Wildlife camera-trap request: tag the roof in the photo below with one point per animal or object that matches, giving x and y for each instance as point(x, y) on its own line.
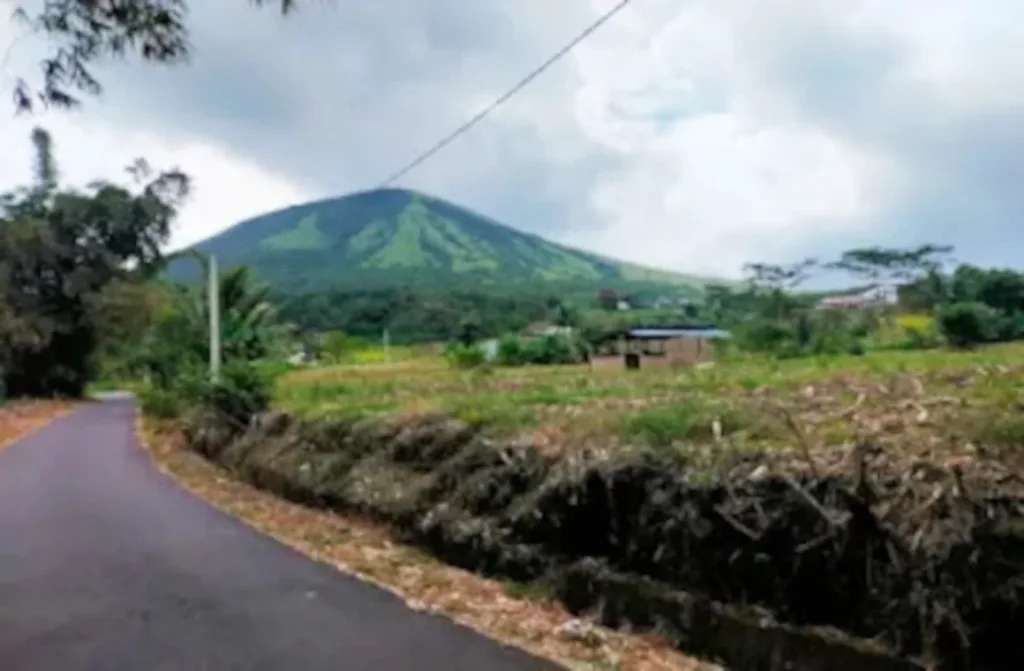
point(666, 333)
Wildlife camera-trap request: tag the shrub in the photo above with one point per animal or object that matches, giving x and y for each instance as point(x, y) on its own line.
point(661, 426)
point(162, 403)
point(965, 325)
point(242, 391)
point(552, 350)
point(465, 356)
point(546, 351)
point(511, 352)
point(770, 336)
point(1008, 326)
point(920, 339)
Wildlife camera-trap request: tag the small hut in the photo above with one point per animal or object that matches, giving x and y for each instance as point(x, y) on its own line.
point(657, 347)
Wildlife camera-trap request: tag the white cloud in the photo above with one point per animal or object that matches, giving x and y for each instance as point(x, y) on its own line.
point(708, 180)
point(694, 135)
point(226, 188)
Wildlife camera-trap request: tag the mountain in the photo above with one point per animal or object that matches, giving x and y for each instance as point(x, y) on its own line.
point(395, 237)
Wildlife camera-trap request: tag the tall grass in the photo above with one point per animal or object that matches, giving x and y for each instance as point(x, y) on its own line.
point(653, 406)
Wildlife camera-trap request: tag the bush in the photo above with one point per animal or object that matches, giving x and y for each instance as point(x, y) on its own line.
point(511, 352)
point(465, 356)
point(770, 336)
point(916, 339)
point(242, 391)
point(1008, 327)
point(549, 350)
point(965, 325)
point(552, 350)
point(162, 403)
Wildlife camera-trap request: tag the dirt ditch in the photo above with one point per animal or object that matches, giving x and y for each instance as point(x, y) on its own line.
point(848, 559)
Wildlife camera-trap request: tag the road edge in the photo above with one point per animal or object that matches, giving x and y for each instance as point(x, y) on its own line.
point(567, 642)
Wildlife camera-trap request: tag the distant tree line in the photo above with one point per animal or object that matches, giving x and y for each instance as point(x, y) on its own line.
point(970, 305)
point(411, 315)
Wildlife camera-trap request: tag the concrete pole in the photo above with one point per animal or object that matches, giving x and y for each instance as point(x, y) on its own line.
point(213, 282)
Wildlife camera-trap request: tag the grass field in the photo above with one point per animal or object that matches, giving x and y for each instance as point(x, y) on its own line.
point(928, 398)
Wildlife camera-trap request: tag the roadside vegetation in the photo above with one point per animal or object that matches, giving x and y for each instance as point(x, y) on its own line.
point(849, 469)
point(573, 404)
point(840, 488)
point(19, 419)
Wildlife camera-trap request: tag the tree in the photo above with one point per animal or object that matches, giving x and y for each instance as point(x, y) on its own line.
point(890, 266)
point(82, 33)
point(561, 314)
point(470, 330)
point(61, 248)
point(967, 324)
point(775, 278)
point(776, 281)
point(608, 299)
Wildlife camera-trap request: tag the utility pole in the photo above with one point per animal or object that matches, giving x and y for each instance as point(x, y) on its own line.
point(213, 283)
point(387, 346)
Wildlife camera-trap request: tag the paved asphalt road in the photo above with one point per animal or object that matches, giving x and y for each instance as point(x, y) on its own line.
point(105, 564)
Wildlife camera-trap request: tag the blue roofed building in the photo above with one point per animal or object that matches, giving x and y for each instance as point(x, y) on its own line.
point(658, 347)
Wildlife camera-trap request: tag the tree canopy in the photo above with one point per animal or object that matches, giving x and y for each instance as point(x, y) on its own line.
point(60, 248)
point(80, 34)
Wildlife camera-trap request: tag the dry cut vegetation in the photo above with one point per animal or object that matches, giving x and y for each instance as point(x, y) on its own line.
point(19, 419)
point(507, 612)
point(846, 513)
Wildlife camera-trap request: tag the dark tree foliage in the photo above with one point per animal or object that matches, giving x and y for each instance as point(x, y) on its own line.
point(890, 265)
point(773, 277)
point(774, 283)
point(412, 315)
point(83, 33)
point(59, 250)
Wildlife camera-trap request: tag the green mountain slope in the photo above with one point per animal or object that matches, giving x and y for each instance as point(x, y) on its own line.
point(392, 237)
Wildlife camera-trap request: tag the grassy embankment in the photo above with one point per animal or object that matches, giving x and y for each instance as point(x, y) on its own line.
point(874, 495)
point(751, 401)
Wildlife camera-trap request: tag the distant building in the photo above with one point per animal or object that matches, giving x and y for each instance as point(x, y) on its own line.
point(490, 349)
point(658, 347)
point(874, 297)
point(542, 329)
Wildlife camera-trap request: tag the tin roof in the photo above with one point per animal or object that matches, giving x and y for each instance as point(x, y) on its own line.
point(665, 333)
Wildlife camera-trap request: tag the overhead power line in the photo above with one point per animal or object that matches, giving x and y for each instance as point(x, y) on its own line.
point(479, 116)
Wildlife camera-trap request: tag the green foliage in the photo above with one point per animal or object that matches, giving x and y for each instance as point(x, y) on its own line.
point(338, 346)
point(470, 330)
point(511, 351)
point(60, 250)
point(890, 265)
point(552, 350)
point(663, 425)
point(80, 34)
point(823, 333)
point(162, 403)
point(390, 238)
point(461, 355)
point(966, 325)
point(411, 315)
point(769, 336)
point(242, 391)
point(543, 351)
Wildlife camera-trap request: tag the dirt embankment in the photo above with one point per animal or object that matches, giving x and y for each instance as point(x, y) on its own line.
point(846, 560)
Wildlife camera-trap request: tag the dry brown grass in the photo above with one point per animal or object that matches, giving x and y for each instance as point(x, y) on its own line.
point(369, 552)
point(21, 418)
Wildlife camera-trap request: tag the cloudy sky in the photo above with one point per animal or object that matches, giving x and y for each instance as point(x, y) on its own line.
point(687, 134)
